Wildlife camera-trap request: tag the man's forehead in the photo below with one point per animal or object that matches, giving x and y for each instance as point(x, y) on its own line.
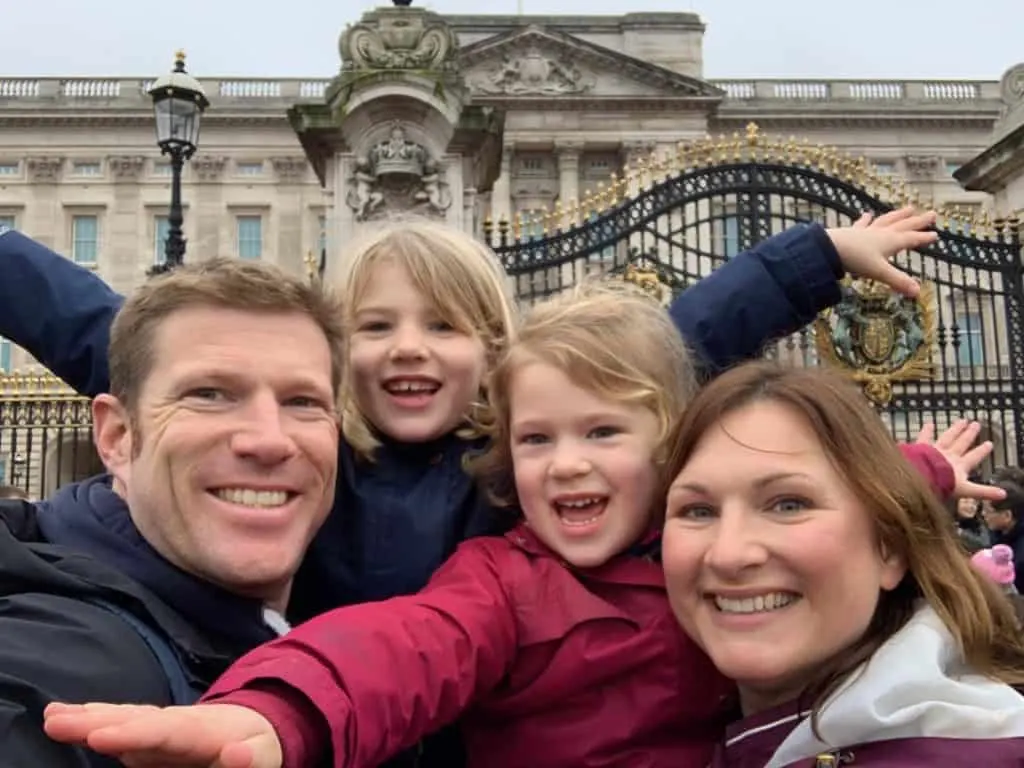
point(241, 342)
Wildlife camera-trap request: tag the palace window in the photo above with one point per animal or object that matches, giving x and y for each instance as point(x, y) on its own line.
point(161, 231)
point(250, 237)
point(86, 168)
point(971, 350)
point(85, 231)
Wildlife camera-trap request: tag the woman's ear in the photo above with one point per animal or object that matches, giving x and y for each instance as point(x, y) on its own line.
point(893, 569)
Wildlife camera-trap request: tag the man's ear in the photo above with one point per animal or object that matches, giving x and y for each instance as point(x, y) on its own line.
point(112, 434)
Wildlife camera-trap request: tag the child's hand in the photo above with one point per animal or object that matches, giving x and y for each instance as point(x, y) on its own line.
point(213, 735)
point(866, 247)
point(957, 447)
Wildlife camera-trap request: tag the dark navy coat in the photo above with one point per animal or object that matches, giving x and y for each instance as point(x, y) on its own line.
point(397, 519)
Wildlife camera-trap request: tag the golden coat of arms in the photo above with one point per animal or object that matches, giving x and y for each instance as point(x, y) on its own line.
point(879, 337)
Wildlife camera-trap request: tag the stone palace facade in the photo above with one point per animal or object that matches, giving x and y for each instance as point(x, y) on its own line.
point(584, 97)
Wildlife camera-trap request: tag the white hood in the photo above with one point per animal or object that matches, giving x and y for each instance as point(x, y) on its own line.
point(915, 686)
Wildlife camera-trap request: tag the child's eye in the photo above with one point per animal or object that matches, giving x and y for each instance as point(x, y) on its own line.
point(534, 438)
point(606, 431)
point(374, 326)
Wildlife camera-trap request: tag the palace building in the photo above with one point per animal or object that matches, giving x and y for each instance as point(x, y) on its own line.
point(584, 99)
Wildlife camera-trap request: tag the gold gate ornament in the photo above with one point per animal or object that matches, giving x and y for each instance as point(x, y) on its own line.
point(878, 337)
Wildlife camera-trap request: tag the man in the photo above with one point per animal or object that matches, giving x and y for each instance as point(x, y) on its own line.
point(220, 439)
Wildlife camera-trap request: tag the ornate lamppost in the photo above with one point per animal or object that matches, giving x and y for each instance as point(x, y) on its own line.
point(178, 104)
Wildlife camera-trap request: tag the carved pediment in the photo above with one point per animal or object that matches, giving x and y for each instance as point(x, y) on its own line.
point(535, 62)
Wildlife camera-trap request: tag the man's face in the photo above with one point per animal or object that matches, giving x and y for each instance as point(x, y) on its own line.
point(996, 519)
point(228, 464)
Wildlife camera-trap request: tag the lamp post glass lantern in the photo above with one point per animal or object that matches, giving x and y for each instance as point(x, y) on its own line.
point(178, 105)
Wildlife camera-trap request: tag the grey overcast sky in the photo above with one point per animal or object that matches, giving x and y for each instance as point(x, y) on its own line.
point(295, 38)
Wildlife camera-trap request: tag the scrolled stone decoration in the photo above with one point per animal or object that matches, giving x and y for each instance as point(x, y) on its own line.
point(43, 169)
point(397, 39)
point(922, 166)
point(127, 166)
point(209, 168)
point(290, 169)
point(1012, 85)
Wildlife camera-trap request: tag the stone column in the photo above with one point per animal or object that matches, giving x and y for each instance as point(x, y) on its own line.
point(568, 177)
point(633, 154)
point(501, 194)
point(121, 236)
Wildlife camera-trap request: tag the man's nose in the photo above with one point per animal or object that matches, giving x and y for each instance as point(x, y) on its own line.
point(262, 434)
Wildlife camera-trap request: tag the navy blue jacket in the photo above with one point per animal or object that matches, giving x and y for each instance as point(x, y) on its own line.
point(395, 520)
point(57, 558)
point(398, 518)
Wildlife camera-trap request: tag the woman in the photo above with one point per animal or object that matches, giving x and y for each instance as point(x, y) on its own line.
point(969, 526)
point(818, 571)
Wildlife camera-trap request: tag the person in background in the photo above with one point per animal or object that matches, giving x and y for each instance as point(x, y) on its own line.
point(969, 524)
point(1005, 517)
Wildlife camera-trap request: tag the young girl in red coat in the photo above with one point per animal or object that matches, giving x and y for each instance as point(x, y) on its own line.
point(554, 646)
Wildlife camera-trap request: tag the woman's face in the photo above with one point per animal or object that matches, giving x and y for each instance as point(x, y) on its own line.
point(967, 508)
point(771, 561)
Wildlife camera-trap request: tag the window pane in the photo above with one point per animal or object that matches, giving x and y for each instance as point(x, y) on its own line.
point(84, 233)
point(731, 241)
point(250, 237)
point(970, 351)
point(161, 228)
point(6, 222)
point(5, 355)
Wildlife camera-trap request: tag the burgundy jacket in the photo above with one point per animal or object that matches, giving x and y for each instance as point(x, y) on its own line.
point(545, 666)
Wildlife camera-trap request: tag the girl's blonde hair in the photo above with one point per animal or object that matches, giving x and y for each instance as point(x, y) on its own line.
point(610, 338)
point(909, 520)
point(457, 274)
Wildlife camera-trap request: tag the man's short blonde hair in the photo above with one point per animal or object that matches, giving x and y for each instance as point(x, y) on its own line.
point(224, 283)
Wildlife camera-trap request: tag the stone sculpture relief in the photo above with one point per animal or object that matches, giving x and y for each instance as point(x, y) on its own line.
point(397, 175)
point(533, 73)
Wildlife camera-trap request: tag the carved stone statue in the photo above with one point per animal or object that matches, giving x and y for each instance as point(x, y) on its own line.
point(436, 197)
point(363, 198)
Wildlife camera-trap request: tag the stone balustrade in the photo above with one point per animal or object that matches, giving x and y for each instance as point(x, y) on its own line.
point(261, 91)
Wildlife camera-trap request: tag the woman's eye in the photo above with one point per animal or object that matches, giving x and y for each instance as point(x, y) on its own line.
point(789, 505)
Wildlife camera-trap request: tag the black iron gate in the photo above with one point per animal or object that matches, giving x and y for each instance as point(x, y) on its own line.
point(683, 217)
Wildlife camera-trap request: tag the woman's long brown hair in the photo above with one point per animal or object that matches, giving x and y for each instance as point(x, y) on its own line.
point(909, 520)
